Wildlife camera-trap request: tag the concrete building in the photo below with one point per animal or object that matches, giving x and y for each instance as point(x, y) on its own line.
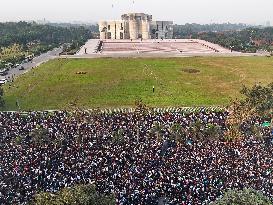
point(136, 26)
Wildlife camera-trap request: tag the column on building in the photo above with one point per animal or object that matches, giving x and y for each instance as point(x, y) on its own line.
point(112, 30)
point(103, 29)
point(146, 28)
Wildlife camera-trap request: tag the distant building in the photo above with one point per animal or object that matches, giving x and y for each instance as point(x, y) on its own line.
point(267, 24)
point(136, 26)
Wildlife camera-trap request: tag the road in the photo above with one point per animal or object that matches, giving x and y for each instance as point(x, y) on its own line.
point(15, 72)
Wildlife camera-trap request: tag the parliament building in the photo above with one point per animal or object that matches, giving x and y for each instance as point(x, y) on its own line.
point(136, 26)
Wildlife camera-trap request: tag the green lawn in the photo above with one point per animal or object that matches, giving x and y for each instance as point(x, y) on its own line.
point(119, 82)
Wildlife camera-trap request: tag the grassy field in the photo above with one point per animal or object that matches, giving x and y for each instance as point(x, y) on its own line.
point(119, 82)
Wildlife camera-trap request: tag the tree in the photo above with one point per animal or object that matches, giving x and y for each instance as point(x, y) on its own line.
point(238, 37)
point(77, 195)
point(243, 197)
point(158, 131)
point(259, 99)
point(39, 136)
point(258, 102)
point(118, 137)
point(2, 102)
point(237, 115)
point(21, 39)
point(178, 133)
point(196, 130)
point(141, 108)
point(212, 131)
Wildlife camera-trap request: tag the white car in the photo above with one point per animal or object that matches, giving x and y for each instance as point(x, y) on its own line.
point(3, 81)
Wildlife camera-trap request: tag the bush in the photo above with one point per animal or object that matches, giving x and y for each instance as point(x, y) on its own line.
point(39, 136)
point(243, 197)
point(80, 195)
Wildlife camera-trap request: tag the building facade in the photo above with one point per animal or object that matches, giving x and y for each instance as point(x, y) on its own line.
point(136, 26)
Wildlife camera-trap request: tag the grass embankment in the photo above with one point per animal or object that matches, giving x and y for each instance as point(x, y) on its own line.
point(119, 82)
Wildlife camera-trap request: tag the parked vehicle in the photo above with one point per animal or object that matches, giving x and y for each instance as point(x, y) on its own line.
point(4, 72)
point(29, 58)
point(3, 81)
point(9, 66)
point(22, 68)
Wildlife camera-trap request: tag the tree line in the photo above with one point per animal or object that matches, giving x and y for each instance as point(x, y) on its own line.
point(33, 38)
point(238, 37)
point(184, 31)
point(25, 33)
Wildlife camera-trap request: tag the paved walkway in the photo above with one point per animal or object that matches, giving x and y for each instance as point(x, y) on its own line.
point(89, 47)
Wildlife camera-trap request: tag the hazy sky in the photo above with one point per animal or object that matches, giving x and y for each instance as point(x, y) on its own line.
point(181, 11)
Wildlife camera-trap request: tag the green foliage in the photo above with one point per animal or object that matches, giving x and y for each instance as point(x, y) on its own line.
point(259, 98)
point(18, 140)
point(141, 107)
point(12, 54)
point(118, 137)
point(178, 133)
point(258, 101)
point(257, 131)
point(212, 131)
point(33, 38)
point(158, 131)
point(243, 197)
point(77, 195)
point(238, 37)
point(185, 31)
point(39, 136)
point(24, 33)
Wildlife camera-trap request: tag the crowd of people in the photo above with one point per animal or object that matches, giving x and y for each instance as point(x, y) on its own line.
point(133, 155)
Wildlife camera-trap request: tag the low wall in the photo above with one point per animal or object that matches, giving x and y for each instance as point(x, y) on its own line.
point(131, 110)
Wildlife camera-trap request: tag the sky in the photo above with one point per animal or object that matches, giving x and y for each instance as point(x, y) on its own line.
point(180, 11)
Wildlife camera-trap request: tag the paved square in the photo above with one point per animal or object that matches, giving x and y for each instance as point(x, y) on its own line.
point(187, 46)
